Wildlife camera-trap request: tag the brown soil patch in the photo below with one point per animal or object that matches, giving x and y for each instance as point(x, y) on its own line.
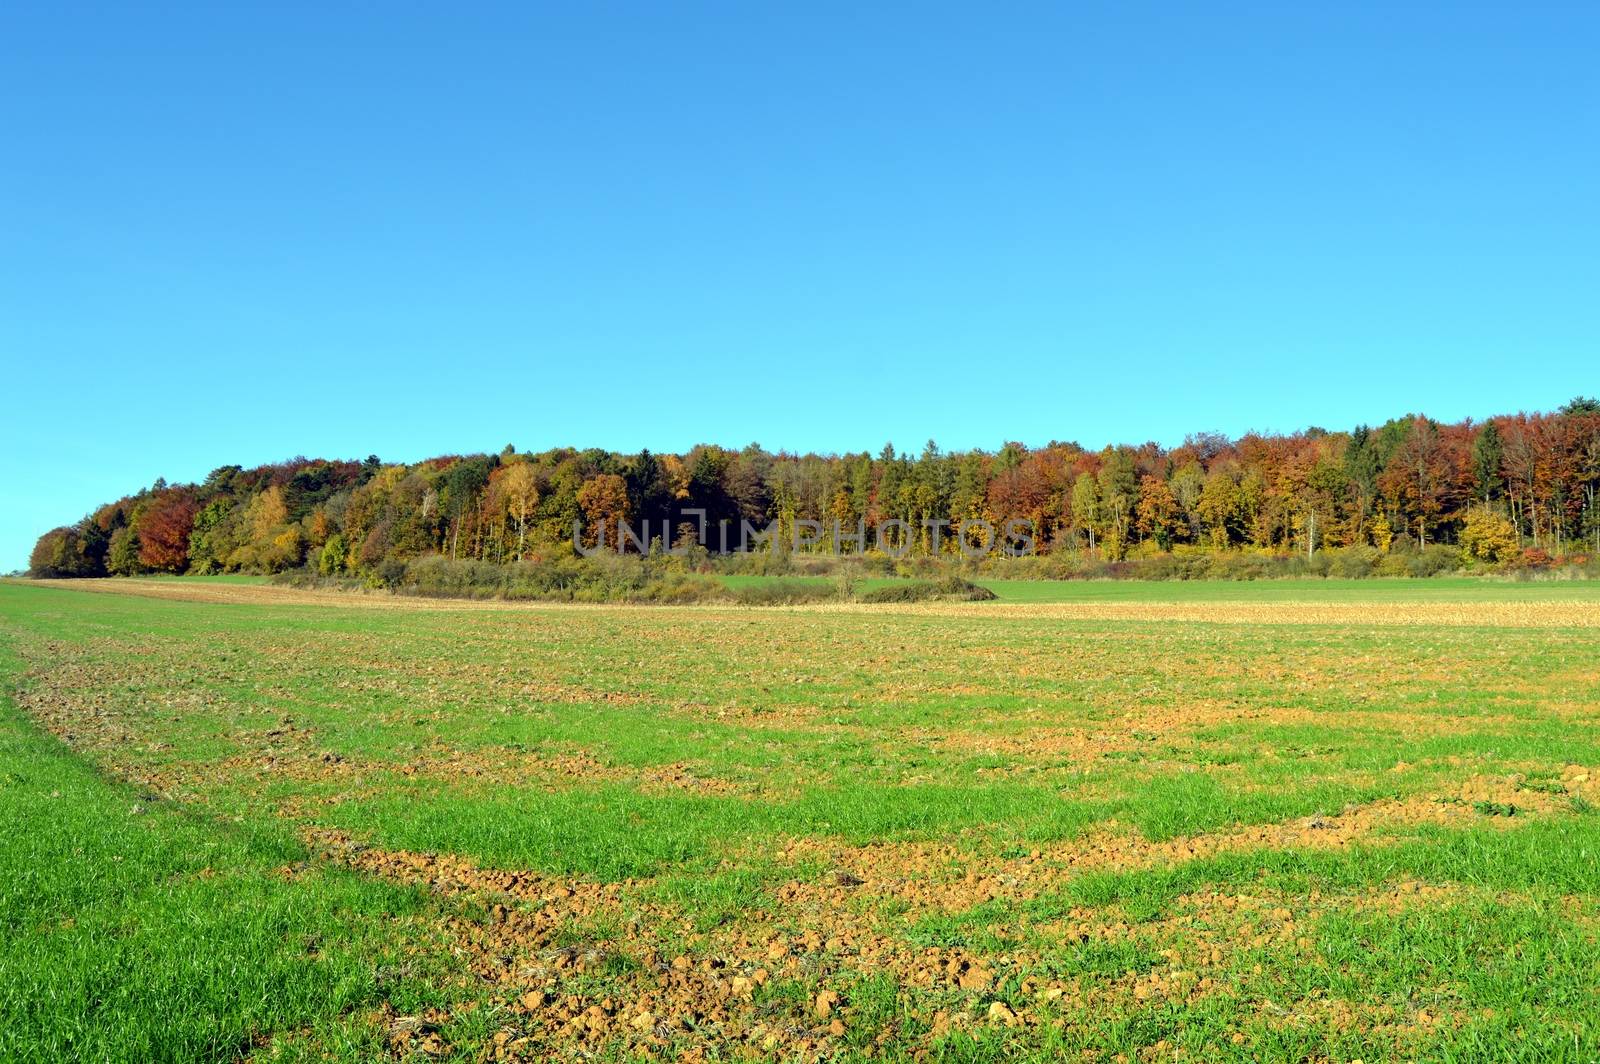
point(1538, 614)
point(1531, 614)
point(942, 876)
point(589, 967)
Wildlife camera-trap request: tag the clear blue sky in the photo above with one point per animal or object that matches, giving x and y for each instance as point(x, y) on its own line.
point(237, 236)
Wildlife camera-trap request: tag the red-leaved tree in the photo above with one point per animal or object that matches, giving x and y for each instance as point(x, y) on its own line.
point(164, 529)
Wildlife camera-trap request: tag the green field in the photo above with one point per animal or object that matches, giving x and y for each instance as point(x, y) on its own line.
point(1379, 590)
point(315, 826)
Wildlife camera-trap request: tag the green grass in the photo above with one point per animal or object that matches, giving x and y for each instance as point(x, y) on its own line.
point(1376, 590)
point(714, 766)
point(1558, 857)
point(132, 930)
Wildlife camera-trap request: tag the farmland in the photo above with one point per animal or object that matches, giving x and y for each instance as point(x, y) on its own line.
point(1325, 820)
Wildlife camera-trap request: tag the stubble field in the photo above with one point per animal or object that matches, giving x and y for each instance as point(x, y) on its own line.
point(1146, 822)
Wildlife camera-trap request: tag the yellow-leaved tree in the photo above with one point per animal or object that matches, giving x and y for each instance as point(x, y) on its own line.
point(1487, 535)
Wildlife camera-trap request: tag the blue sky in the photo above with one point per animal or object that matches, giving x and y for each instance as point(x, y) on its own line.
point(232, 235)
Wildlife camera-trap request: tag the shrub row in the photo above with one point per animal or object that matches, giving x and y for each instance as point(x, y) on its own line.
point(604, 578)
point(950, 589)
point(794, 579)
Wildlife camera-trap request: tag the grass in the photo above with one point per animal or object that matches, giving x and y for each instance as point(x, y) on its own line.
point(132, 930)
point(1243, 840)
point(1374, 590)
point(1559, 857)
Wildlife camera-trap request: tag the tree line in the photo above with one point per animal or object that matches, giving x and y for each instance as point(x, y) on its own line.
point(1512, 484)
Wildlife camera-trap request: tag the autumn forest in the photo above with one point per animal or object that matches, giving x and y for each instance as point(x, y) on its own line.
point(1509, 488)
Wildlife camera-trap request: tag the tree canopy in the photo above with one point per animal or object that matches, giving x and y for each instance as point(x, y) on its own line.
point(1411, 480)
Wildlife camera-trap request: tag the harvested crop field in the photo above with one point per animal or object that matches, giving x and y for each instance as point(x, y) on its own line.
point(1229, 823)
